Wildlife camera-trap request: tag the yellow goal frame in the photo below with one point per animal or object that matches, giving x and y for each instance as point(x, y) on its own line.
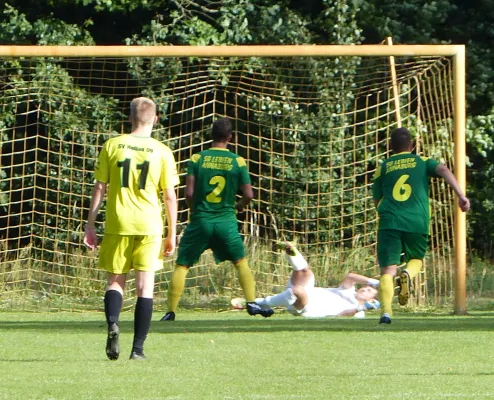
point(457, 52)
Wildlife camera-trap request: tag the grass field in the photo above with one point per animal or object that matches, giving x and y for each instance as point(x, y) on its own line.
point(229, 355)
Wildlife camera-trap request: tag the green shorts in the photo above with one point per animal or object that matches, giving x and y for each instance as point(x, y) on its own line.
point(392, 243)
point(120, 253)
point(223, 238)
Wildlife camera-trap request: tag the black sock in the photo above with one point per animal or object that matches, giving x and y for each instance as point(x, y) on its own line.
point(113, 305)
point(142, 322)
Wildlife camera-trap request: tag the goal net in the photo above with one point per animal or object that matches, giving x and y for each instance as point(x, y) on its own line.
point(312, 129)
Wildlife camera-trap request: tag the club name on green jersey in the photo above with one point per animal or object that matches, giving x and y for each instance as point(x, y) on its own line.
point(220, 163)
point(218, 174)
point(401, 188)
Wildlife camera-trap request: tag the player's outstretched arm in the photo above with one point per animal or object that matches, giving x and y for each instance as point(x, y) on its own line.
point(443, 171)
point(352, 278)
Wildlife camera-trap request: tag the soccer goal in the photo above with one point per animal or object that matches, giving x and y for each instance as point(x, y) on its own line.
point(312, 121)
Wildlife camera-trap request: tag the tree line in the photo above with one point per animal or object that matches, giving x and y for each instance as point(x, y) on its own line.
point(208, 22)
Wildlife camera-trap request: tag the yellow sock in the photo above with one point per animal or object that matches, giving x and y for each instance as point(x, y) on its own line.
point(386, 291)
point(176, 287)
point(246, 279)
point(414, 267)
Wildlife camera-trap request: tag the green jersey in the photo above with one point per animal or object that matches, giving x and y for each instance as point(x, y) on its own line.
point(218, 175)
point(401, 185)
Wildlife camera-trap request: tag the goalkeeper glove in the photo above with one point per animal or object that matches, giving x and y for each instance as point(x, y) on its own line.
point(369, 305)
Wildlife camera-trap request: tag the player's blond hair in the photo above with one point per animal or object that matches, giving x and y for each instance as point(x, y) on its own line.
point(142, 111)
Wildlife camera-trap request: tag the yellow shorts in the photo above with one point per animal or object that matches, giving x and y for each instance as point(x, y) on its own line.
point(119, 254)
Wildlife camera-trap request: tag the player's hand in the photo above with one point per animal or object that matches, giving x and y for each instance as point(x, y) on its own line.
point(464, 203)
point(169, 244)
point(90, 237)
point(239, 207)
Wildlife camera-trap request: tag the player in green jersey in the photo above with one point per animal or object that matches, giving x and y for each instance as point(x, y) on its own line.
point(401, 194)
point(214, 177)
point(135, 168)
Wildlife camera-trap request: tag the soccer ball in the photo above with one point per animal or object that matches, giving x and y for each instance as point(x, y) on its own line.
point(238, 303)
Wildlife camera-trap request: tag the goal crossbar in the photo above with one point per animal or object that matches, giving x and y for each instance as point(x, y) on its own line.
point(232, 51)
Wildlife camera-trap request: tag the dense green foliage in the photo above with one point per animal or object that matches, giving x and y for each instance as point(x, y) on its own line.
point(204, 22)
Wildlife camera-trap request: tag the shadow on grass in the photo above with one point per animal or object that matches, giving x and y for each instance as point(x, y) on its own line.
point(401, 323)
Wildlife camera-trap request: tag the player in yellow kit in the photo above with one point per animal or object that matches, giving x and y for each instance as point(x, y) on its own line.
point(135, 169)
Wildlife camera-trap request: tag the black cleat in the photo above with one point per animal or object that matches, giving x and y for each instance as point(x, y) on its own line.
point(137, 356)
point(112, 346)
point(385, 319)
point(169, 316)
point(254, 309)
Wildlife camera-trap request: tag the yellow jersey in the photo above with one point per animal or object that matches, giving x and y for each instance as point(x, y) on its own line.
point(136, 170)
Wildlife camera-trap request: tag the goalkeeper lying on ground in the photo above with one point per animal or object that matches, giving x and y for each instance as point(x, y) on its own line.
point(302, 298)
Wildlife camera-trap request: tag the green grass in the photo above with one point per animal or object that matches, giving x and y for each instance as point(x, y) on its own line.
point(229, 355)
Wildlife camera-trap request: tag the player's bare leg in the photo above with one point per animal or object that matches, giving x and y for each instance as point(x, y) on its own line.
point(295, 294)
point(301, 296)
point(302, 277)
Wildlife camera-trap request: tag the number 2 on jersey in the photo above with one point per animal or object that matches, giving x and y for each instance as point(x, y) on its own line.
point(144, 168)
point(214, 196)
point(401, 190)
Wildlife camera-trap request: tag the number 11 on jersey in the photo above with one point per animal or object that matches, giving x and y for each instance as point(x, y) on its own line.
point(143, 167)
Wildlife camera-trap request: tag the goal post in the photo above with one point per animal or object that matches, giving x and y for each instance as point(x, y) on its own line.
point(312, 122)
point(460, 172)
